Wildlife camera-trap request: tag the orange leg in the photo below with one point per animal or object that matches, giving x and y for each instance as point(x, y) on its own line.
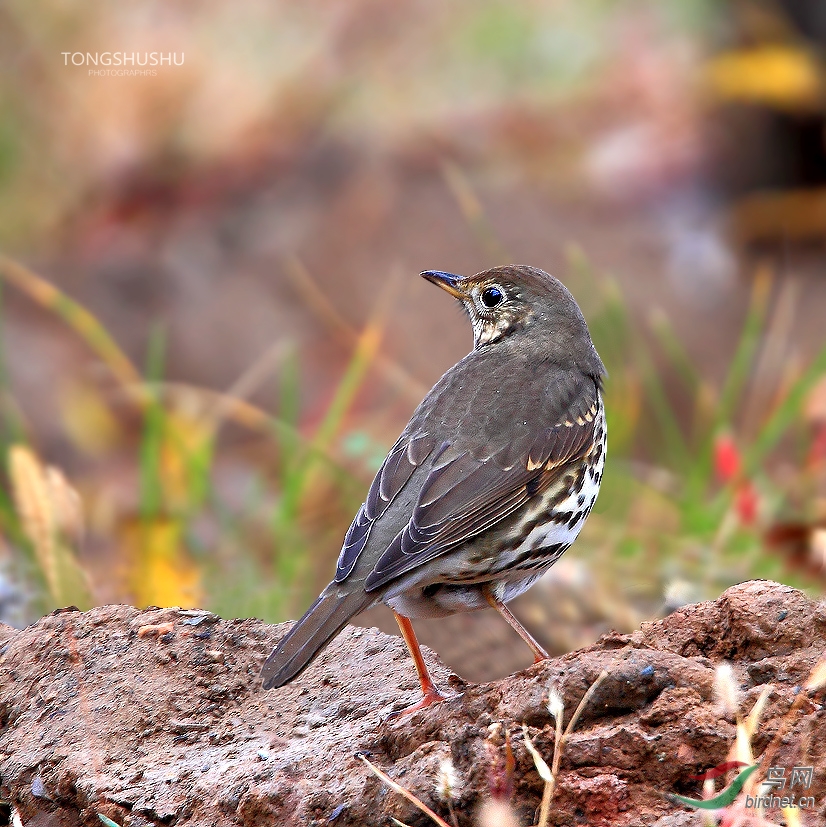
point(430, 693)
point(539, 653)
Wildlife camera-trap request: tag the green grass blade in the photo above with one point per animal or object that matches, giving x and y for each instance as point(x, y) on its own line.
point(289, 411)
point(73, 314)
point(11, 426)
point(741, 366)
point(785, 414)
point(151, 489)
point(674, 442)
point(343, 397)
point(348, 387)
point(672, 347)
point(475, 217)
point(744, 356)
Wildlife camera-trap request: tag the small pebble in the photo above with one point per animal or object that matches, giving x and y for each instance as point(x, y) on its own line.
point(158, 630)
point(336, 812)
point(39, 788)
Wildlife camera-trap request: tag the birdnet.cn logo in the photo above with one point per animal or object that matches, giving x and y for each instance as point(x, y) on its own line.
point(774, 791)
point(123, 64)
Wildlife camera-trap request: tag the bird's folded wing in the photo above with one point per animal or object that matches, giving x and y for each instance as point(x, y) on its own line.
point(463, 496)
point(404, 457)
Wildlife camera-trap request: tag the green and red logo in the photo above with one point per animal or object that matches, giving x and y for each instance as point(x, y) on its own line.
point(724, 798)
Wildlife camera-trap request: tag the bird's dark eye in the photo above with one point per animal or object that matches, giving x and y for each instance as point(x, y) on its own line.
point(492, 297)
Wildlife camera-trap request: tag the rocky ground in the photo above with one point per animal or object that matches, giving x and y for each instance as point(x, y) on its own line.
point(157, 717)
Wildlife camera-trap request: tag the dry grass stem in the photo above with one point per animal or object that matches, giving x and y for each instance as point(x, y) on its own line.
point(36, 511)
point(394, 373)
point(248, 382)
point(583, 703)
point(792, 816)
point(726, 693)
point(405, 792)
point(817, 678)
point(67, 505)
point(77, 317)
point(50, 515)
point(545, 774)
point(447, 787)
point(556, 707)
point(548, 774)
point(773, 355)
point(815, 681)
point(753, 718)
point(471, 209)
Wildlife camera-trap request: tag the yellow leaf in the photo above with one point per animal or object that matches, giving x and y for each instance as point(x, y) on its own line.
point(782, 76)
point(161, 573)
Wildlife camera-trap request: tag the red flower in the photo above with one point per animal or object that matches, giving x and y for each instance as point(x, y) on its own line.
point(728, 467)
point(726, 459)
point(746, 503)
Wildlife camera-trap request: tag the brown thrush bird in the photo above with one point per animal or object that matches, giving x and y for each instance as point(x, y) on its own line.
point(490, 481)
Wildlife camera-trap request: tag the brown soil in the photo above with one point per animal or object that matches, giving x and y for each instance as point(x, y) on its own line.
point(157, 717)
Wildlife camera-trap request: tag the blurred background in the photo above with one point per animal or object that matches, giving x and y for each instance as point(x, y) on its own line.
point(212, 328)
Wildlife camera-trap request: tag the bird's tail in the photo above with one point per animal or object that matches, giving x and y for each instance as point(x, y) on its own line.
point(322, 622)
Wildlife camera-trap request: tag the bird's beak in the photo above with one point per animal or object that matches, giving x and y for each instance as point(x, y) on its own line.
point(447, 281)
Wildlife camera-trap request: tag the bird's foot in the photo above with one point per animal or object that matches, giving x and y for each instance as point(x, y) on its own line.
point(429, 697)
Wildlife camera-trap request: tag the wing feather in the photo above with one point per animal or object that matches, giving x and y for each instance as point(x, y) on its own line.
point(466, 496)
point(464, 492)
point(404, 457)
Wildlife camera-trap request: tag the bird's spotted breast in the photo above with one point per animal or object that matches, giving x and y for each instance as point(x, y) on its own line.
point(553, 521)
point(536, 536)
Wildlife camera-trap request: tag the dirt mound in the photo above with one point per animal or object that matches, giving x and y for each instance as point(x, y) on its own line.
point(157, 717)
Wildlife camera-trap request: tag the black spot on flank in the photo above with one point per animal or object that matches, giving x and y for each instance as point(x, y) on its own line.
point(580, 500)
point(533, 485)
point(543, 552)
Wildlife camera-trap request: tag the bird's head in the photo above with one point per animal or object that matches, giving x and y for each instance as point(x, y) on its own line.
point(525, 304)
